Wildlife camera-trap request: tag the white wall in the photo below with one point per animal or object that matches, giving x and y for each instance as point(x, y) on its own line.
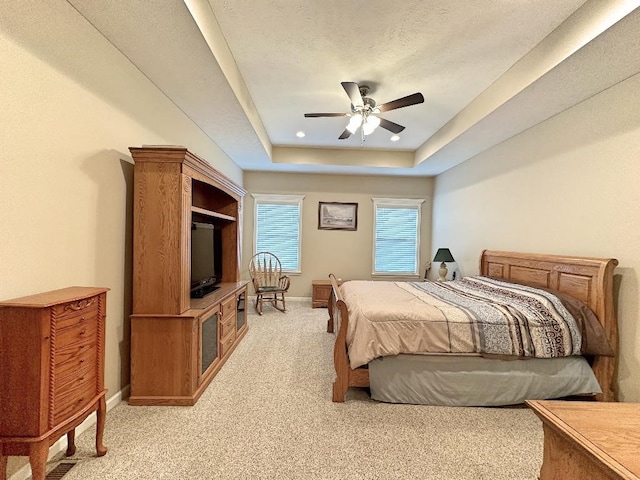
point(570, 185)
point(71, 107)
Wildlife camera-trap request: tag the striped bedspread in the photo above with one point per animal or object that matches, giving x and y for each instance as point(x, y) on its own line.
point(474, 315)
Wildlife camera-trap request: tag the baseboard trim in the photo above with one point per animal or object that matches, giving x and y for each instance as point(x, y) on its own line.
point(298, 299)
point(61, 445)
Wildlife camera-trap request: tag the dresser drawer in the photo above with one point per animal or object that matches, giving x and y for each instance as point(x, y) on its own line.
point(228, 306)
point(74, 398)
point(226, 344)
point(81, 335)
point(228, 326)
point(73, 376)
point(75, 357)
point(67, 314)
point(83, 317)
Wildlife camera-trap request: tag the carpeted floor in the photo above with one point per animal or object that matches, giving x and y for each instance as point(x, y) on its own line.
point(268, 415)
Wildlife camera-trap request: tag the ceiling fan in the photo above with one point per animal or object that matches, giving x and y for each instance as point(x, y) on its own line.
point(364, 111)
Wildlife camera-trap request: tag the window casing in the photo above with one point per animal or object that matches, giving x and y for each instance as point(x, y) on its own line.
point(396, 236)
point(277, 228)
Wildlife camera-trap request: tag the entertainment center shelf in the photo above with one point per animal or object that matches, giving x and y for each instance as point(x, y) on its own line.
point(224, 290)
point(179, 343)
point(209, 213)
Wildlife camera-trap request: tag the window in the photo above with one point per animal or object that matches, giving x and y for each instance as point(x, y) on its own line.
point(277, 227)
point(396, 243)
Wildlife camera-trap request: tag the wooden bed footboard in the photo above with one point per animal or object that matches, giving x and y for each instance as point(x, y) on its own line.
point(587, 279)
point(339, 318)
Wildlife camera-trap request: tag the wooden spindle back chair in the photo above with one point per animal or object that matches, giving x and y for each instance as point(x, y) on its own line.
point(268, 281)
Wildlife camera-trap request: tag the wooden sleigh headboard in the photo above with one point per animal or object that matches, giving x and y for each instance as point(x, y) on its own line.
point(587, 279)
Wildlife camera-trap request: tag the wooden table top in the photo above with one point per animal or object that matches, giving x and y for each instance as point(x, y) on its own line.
point(607, 431)
point(325, 282)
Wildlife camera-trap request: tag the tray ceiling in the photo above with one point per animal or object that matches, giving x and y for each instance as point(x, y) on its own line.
point(246, 72)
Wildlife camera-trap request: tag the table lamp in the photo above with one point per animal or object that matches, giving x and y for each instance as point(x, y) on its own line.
point(443, 255)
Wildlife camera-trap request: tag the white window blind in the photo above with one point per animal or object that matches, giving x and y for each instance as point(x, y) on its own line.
point(277, 228)
point(396, 236)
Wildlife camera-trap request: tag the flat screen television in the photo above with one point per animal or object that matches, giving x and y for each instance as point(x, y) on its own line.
point(206, 258)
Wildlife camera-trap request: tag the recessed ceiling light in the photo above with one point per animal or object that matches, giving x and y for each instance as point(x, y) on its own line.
point(300, 134)
point(395, 138)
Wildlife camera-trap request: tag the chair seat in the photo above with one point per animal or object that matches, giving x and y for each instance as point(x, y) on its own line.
point(269, 289)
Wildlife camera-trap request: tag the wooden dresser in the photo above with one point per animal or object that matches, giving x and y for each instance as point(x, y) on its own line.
point(51, 372)
point(589, 440)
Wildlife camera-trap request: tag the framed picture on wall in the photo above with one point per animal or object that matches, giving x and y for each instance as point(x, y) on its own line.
point(337, 216)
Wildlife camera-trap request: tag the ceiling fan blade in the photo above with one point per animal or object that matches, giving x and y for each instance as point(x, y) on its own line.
point(345, 134)
point(316, 115)
point(391, 126)
point(402, 102)
point(353, 91)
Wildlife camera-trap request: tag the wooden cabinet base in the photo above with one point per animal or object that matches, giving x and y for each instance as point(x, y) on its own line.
point(187, 400)
point(175, 357)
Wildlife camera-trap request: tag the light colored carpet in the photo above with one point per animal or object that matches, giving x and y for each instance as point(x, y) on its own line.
point(268, 415)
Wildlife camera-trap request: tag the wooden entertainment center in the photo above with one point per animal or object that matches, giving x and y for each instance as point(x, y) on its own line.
point(179, 343)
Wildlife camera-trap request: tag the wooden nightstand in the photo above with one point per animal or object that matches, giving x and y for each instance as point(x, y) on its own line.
point(321, 291)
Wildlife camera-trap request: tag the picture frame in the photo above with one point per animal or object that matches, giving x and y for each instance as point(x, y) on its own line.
point(337, 216)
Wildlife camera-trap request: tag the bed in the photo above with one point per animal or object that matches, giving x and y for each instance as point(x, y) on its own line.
point(587, 280)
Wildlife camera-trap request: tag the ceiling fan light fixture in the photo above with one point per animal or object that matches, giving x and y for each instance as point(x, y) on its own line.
point(370, 124)
point(395, 138)
point(364, 111)
point(354, 122)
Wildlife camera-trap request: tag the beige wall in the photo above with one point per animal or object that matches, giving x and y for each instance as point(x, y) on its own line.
point(71, 107)
point(569, 186)
point(347, 254)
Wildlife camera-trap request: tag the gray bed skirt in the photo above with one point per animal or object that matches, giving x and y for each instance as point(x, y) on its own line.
point(452, 380)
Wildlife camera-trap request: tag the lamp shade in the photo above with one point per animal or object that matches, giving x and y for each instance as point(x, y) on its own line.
point(443, 255)
point(370, 125)
point(354, 123)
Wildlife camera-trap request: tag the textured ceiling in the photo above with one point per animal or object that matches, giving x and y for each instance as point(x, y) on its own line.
point(247, 71)
point(293, 56)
